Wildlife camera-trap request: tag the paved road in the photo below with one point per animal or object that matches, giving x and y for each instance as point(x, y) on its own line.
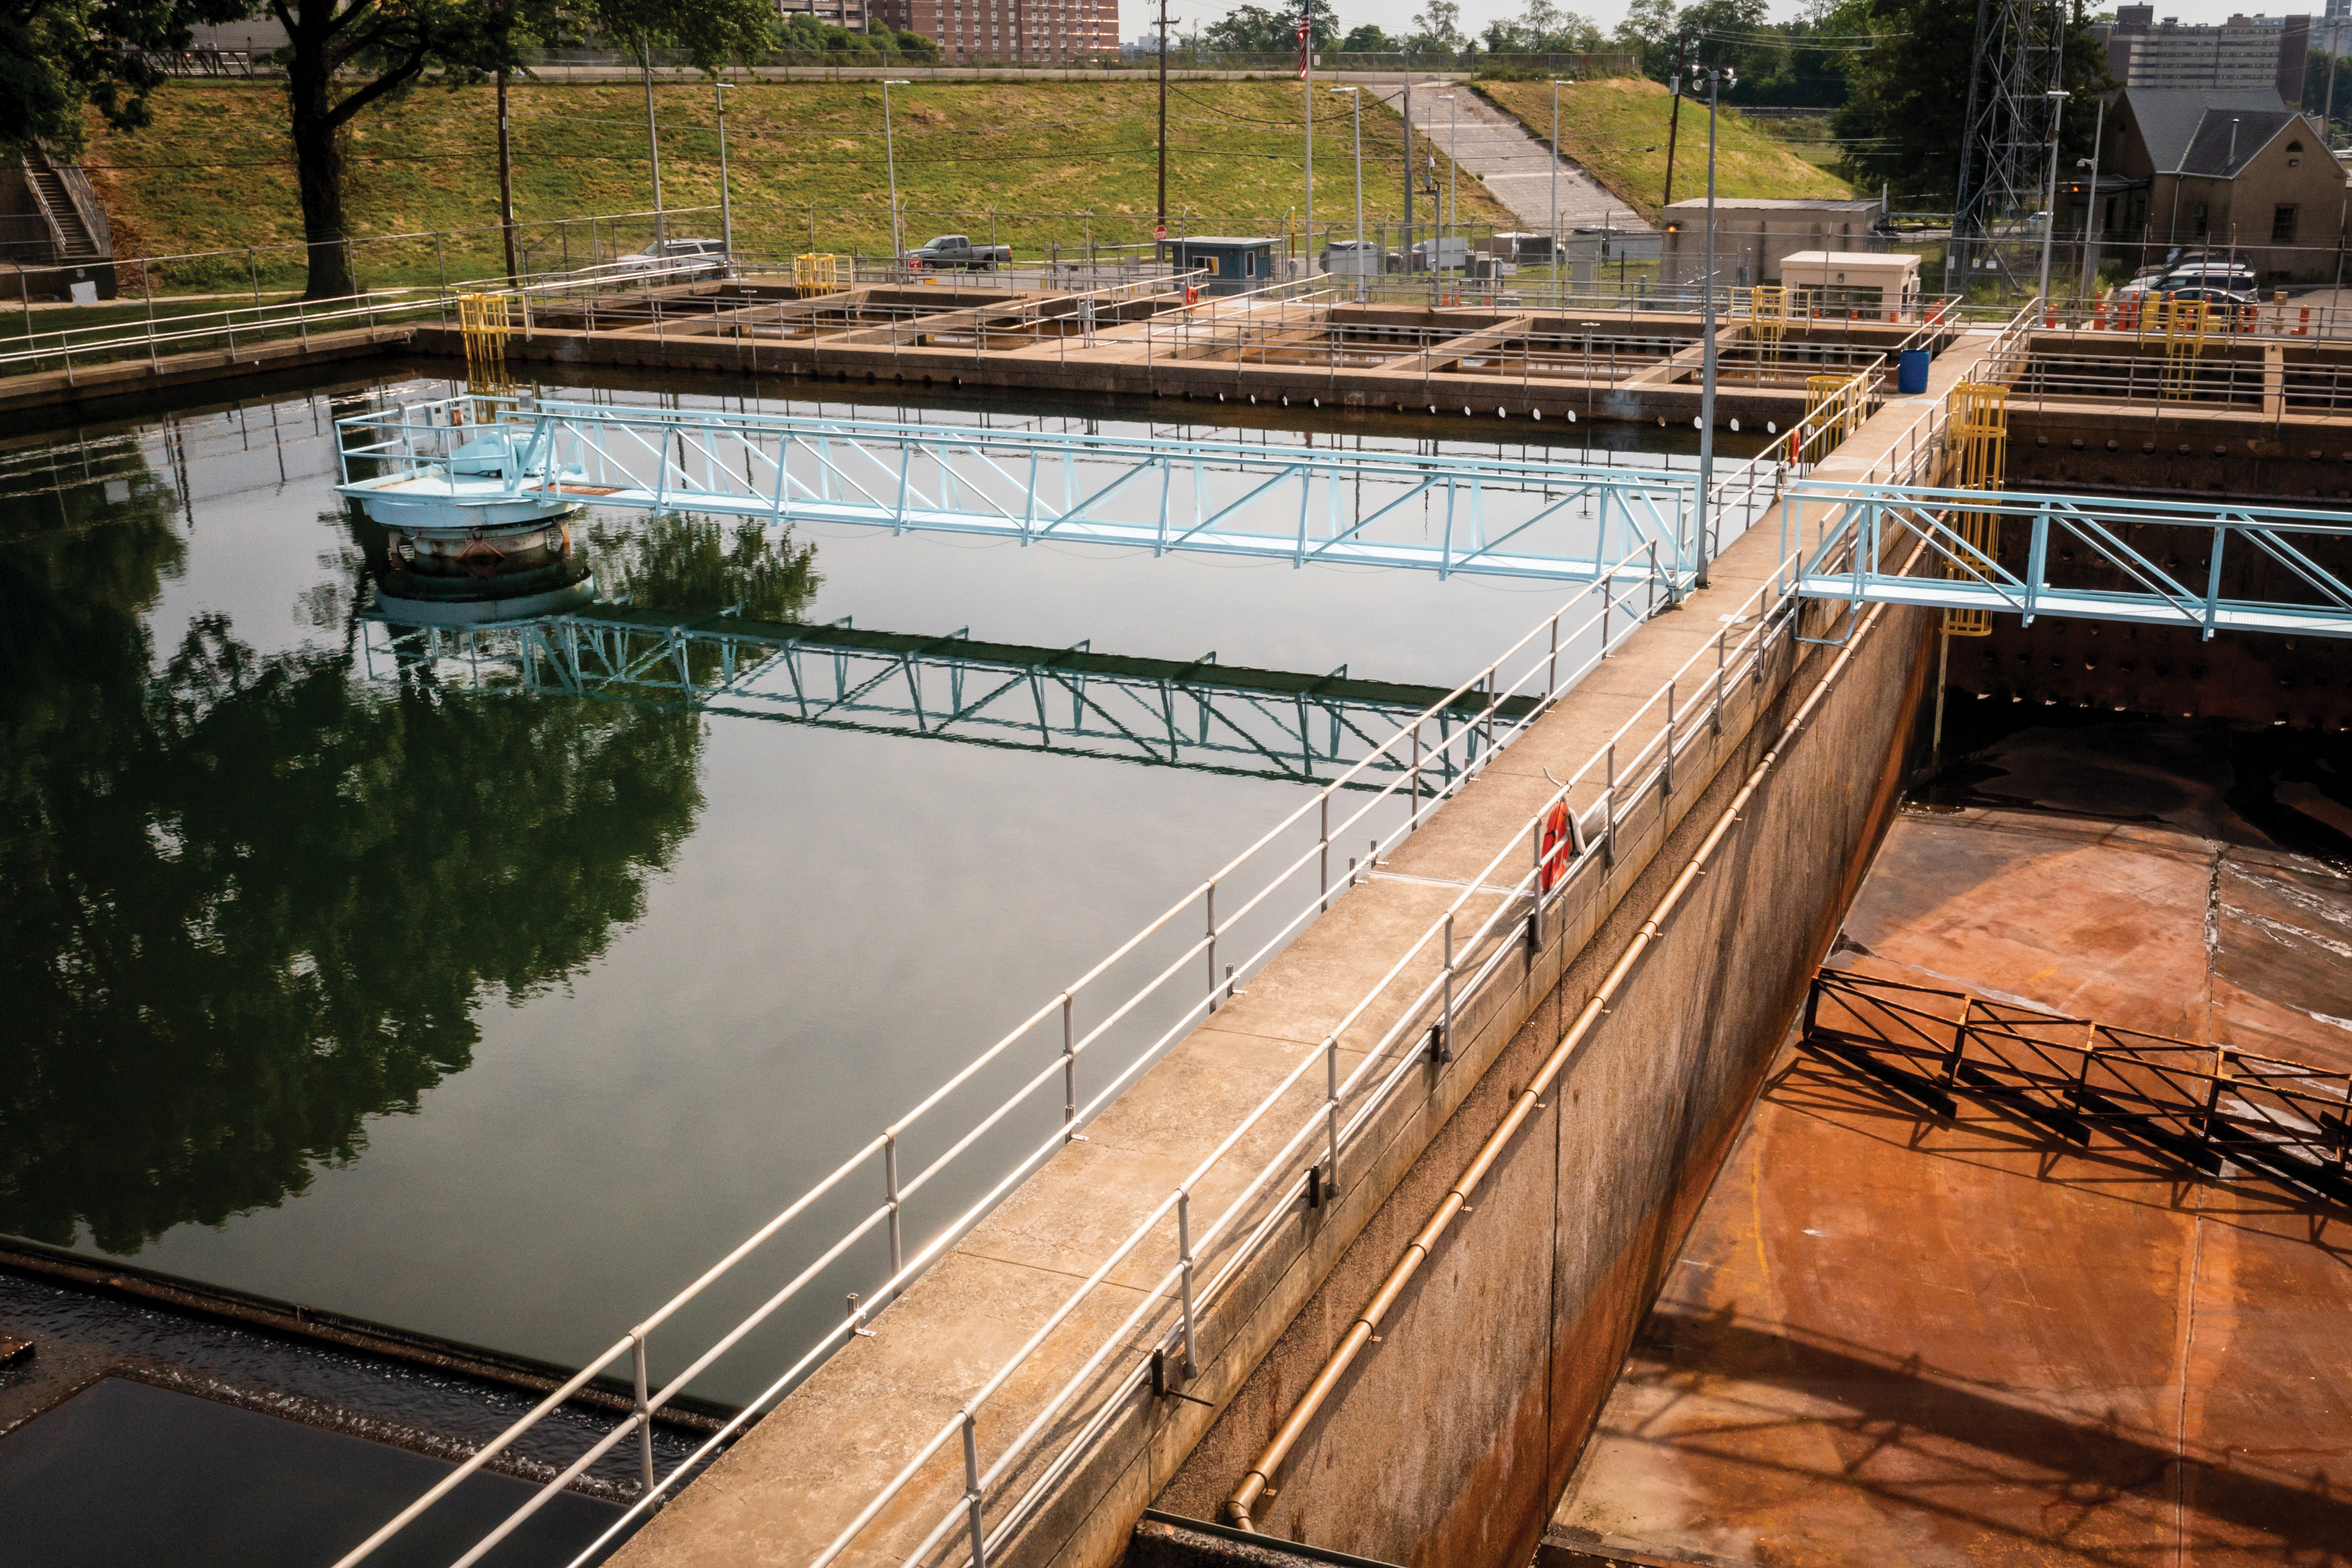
point(1516, 166)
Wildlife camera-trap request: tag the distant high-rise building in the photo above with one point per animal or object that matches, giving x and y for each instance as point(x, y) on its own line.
point(1047, 32)
point(2256, 51)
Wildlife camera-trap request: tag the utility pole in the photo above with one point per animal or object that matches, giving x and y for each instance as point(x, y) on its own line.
point(1674, 121)
point(1160, 223)
point(505, 176)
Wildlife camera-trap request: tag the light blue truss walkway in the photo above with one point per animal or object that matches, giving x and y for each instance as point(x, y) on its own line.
point(2209, 567)
point(474, 462)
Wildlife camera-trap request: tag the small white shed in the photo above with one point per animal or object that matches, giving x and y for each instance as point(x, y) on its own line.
point(1874, 287)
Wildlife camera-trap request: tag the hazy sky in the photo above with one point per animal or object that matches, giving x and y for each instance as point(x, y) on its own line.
point(1396, 15)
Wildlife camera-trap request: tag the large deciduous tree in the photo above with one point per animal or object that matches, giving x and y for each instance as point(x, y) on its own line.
point(345, 56)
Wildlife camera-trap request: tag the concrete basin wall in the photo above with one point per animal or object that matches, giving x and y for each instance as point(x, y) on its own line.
point(1451, 1440)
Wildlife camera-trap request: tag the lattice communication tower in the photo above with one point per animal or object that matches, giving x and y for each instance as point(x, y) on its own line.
point(2005, 159)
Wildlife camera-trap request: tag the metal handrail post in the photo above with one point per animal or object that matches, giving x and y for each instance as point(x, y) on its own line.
point(1444, 1043)
point(1069, 1061)
point(644, 1412)
point(1211, 893)
point(1331, 1112)
point(973, 1495)
point(1184, 1257)
point(1323, 870)
point(890, 1190)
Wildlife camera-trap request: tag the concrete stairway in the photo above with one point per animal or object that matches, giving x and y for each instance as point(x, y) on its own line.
point(75, 242)
point(1516, 167)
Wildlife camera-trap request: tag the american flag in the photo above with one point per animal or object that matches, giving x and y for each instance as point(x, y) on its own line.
point(1306, 37)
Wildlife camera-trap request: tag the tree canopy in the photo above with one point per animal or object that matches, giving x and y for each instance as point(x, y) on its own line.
point(1253, 29)
point(57, 56)
point(344, 56)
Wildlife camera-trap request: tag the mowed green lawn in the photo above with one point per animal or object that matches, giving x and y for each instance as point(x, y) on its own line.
point(1055, 164)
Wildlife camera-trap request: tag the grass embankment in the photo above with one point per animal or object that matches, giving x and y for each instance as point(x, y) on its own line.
point(1617, 130)
point(806, 169)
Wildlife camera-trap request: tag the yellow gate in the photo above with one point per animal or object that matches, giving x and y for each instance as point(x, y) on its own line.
point(1980, 430)
point(2184, 345)
point(1768, 310)
point(483, 321)
point(1839, 401)
point(816, 274)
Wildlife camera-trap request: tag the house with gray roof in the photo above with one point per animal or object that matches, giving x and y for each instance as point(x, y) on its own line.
point(2218, 171)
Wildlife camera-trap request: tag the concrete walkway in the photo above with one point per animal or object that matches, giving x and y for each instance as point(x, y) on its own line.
point(1515, 166)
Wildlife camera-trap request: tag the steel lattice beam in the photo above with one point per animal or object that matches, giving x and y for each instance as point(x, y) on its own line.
point(1198, 715)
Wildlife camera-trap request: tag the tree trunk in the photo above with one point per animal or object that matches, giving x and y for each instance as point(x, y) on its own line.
point(318, 161)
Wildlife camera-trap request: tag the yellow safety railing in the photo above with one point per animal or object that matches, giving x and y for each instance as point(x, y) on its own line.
point(1979, 427)
point(816, 274)
point(1841, 402)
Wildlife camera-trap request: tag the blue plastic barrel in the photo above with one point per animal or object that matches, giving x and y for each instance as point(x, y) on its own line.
point(1911, 373)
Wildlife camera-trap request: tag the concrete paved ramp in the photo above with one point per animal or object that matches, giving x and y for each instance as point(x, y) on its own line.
point(1515, 166)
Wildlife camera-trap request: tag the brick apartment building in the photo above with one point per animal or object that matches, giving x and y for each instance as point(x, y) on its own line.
point(1049, 32)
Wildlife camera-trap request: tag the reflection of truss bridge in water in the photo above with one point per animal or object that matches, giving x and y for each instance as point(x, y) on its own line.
point(1196, 714)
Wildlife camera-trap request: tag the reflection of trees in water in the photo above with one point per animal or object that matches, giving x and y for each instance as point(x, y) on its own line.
point(693, 566)
point(250, 902)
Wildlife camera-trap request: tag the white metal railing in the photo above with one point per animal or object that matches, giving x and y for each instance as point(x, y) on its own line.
point(231, 327)
point(1174, 1301)
point(1501, 708)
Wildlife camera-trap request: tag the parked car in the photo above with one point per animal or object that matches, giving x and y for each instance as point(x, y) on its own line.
point(676, 259)
point(2235, 278)
point(956, 252)
point(2214, 296)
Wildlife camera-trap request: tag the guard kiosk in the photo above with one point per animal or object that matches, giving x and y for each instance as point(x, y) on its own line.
point(1234, 266)
point(1871, 286)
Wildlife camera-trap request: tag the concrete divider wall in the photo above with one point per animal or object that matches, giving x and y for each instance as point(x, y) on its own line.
point(1456, 1442)
point(1450, 1441)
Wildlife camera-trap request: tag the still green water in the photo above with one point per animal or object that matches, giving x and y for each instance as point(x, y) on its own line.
point(501, 1017)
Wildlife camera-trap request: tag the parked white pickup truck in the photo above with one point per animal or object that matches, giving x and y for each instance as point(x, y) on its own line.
point(945, 251)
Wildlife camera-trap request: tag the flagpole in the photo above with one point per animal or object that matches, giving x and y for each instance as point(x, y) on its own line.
point(1306, 74)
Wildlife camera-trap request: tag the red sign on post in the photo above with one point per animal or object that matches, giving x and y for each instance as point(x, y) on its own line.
point(1160, 231)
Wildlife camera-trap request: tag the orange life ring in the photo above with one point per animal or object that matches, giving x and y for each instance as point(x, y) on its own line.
point(1191, 296)
point(1559, 835)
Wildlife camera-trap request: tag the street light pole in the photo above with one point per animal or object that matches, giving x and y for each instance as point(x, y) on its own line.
point(890, 155)
point(653, 133)
point(1356, 98)
point(2049, 206)
point(1556, 85)
point(726, 209)
point(2091, 193)
point(1715, 80)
